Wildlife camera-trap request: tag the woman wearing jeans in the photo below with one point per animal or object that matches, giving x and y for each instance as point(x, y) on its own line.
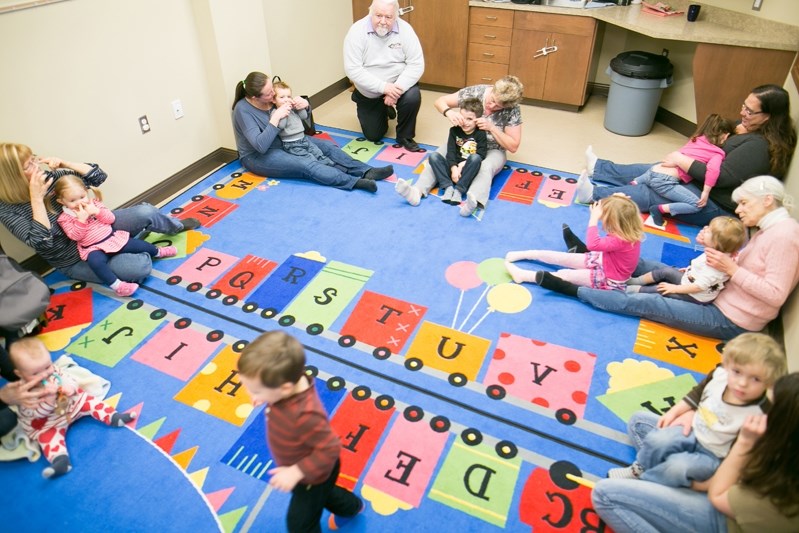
point(24, 186)
point(756, 487)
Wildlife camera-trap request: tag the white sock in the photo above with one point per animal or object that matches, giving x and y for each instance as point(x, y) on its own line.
point(408, 191)
point(529, 255)
point(585, 189)
point(590, 160)
point(520, 275)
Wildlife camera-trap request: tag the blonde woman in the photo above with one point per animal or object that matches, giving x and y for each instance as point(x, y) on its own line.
point(26, 180)
point(502, 122)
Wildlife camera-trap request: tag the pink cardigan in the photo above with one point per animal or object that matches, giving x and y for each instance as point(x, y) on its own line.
point(703, 150)
point(768, 272)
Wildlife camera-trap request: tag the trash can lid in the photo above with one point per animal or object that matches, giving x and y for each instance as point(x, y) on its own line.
point(642, 65)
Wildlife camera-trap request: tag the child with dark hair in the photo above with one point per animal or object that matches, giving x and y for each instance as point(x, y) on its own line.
point(666, 180)
point(466, 148)
point(272, 369)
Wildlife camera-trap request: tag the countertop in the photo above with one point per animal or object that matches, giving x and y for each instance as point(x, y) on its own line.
point(715, 25)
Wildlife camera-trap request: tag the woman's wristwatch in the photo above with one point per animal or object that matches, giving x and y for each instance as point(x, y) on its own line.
point(448, 109)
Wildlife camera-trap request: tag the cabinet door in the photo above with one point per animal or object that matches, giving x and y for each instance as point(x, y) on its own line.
point(566, 78)
point(529, 69)
point(441, 26)
point(360, 8)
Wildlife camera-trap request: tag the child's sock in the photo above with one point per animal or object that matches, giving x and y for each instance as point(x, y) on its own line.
point(377, 174)
point(468, 207)
point(585, 189)
point(124, 288)
point(590, 160)
point(637, 280)
point(573, 242)
point(633, 471)
point(167, 251)
point(365, 185)
point(656, 218)
point(58, 467)
point(457, 197)
point(408, 191)
point(554, 283)
point(520, 275)
point(120, 419)
point(632, 289)
point(335, 522)
point(446, 197)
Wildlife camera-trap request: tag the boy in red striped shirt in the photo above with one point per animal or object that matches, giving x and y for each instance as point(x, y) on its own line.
point(272, 369)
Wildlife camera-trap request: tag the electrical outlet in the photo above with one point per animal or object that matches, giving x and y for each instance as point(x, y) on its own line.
point(177, 109)
point(756, 5)
point(144, 124)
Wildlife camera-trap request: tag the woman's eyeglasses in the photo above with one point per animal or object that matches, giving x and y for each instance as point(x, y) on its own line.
point(748, 112)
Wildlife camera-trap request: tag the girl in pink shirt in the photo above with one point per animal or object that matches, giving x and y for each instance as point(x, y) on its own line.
point(610, 260)
point(88, 222)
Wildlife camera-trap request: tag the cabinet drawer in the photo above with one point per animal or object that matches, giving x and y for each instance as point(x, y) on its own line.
point(480, 72)
point(527, 20)
point(490, 35)
point(490, 53)
point(487, 16)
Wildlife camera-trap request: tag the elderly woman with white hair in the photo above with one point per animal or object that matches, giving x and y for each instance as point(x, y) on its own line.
point(502, 122)
point(761, 279)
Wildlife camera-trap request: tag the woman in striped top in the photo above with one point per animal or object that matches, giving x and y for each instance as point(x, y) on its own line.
point(25, 182)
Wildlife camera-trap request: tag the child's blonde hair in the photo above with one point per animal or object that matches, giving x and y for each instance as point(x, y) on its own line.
point(70, 180)
point(281, 85)
point(728, 234)
point(620, 217)
point(275, 357)
point(754, 349)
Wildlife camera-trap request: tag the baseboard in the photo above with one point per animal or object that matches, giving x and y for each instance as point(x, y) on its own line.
point(664, 116)
point(329, 92)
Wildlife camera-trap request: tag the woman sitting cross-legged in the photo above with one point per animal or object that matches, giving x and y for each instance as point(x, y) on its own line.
point(766, 271)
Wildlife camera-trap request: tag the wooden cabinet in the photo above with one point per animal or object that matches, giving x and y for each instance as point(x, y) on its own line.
point(489, 51)
point(560, 76)
point(440, 25)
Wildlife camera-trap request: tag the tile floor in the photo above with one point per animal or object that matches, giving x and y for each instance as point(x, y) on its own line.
point(551, 138)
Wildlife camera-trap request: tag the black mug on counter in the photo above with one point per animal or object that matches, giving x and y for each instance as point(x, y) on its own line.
point(693, 12)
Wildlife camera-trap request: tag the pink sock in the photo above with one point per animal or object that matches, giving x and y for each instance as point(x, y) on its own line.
point(167, 251)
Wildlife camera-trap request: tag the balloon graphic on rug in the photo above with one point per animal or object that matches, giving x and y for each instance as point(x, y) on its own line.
point(462, 275)
point(492, 272)
point(506, 298)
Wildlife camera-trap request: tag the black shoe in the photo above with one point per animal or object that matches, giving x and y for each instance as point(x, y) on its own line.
point(391, 112)
point(189, 224)
point(409, 144)
point(573, 242)
point(554, 283)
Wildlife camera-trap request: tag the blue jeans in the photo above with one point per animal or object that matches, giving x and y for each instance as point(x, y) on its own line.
point(706, 320)
point(619, 176)
point(682, 200)
point(631, 505)
point(636, 506)
point(129, 267)
point(441, 170)
point(276, 163)
point(671, 458)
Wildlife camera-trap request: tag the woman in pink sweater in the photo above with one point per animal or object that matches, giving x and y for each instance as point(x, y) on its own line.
point(762, 278)
point(609, 261)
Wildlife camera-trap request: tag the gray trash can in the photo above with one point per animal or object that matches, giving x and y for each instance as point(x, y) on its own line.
point(637, 80)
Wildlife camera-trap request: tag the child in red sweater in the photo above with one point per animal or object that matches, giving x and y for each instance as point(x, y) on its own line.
point(272, 369)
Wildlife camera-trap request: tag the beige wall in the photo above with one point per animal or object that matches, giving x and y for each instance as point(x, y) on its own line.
point(77, 75)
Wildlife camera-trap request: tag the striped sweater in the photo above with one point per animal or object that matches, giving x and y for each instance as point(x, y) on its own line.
point(298, 432)
point(51, 244)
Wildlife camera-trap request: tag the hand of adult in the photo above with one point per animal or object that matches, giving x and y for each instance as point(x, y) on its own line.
point(394, 91)
point(299, 102)
point(721, 261)
point(389, 101)
point(38, 183)
point(676, 159)
point(484, 124)
point(455, 118)
point(20, 393)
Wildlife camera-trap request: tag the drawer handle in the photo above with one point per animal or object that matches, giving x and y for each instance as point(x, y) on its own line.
point(491, 18)
point(487, 54)
point(490, 36)
point(487, 79)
